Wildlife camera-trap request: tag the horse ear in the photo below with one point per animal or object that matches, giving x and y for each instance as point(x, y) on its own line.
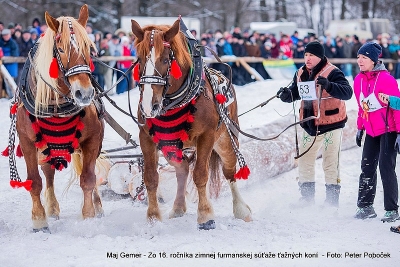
point(83, 15)
point(172, 31)
point(137, 30)
point(51, 22)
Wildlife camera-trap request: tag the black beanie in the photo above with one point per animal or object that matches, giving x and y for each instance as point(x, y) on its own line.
point(371, 50)
point(315, 48)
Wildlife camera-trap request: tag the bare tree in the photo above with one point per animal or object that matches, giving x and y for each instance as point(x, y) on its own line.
point(263, 11)
point(343, 9)
point(364, 9)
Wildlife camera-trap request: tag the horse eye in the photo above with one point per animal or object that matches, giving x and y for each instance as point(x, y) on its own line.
point(60, 50)
point(166, 61)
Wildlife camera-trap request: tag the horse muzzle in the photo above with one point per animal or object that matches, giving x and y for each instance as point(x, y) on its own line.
point(83, 96)
point(151, 113)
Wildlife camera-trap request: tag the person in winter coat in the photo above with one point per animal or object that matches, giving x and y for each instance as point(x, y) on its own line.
point(382, 127)
point(10, 48)
point(319, 79)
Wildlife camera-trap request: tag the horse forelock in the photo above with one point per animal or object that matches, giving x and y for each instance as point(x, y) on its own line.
point(178, 45)
point(44, 56)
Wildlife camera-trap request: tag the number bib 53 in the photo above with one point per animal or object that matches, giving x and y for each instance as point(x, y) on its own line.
point(307, 90)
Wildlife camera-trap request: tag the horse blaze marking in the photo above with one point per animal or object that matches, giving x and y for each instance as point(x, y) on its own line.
point(148, 91)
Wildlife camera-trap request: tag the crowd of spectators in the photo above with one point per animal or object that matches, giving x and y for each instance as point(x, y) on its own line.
point(289, 45)
point(16, 41)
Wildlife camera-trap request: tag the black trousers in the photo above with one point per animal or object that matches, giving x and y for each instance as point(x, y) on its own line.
point(379, 149)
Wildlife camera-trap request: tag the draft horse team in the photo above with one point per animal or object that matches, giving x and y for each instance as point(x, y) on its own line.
point(186, 110)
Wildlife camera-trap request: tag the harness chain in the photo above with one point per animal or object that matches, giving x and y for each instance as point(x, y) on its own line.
point(15, 180)
point(214, 78)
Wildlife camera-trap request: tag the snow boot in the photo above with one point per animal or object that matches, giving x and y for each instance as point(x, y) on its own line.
point(365, 213)
point(390, 216)
point(307, 191)
point(332, 194)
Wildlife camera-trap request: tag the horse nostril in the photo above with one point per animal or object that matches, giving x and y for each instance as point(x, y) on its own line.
point(78, 94)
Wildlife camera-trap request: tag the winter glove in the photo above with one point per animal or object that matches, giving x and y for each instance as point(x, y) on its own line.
point(285, 94)
point(325, 84)
point(397, 144)
point(359, 136)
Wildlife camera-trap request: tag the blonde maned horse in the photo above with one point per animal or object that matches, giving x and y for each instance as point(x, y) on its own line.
point(56, 116)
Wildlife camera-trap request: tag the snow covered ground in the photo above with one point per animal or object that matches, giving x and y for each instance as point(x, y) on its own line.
point(279, 234)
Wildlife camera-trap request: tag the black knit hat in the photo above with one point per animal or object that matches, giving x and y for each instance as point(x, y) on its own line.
point(371, 50)
point(315, 48)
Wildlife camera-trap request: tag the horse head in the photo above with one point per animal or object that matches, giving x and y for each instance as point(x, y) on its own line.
point(163, 64)
point(69, 60)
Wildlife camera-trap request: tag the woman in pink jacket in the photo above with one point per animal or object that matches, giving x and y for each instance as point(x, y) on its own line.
point(382, 127)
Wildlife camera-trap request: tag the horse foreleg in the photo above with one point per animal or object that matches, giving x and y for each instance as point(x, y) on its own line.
point(88, 182)
point(150, 175)
point(179, 209)
point(39, 219)
point(52, 206)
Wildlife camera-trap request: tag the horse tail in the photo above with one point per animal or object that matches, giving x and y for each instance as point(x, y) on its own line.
point(215, 183)
point(103, 166)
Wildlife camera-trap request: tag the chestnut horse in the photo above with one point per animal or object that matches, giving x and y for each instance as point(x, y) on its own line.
point(178, 111)
point(56, 115)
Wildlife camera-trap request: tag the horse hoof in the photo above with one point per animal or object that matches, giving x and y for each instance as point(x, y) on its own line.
point(45, 230)
point(207, 225)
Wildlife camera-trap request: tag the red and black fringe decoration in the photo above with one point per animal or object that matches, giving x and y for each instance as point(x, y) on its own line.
point(170, 130)
point(58, 137)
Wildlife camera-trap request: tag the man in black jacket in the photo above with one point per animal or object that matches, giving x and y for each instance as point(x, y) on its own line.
point(322, 89)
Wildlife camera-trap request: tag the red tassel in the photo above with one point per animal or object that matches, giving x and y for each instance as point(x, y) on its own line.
point(135, 73)
point(75, 143)
point(19, 153)
point(5, 152)
point(220, 98)
point(53, 70)
point(184, 136)
point(175, 70)
point(27, 184)
point(190, 118)
point(155, 139)
point(14, 108)
point(40, 144)
point(91, 66)
point(243, 173)
point(80, 126)
point(35, 127)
